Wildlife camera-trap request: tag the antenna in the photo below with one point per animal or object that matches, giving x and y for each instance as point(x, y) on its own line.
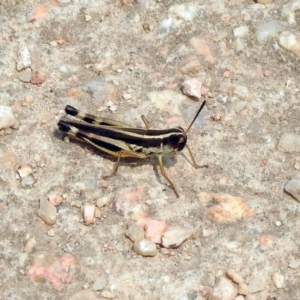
point(197, 114)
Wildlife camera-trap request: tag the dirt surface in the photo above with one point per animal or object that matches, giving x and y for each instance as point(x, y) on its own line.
point(122, 60)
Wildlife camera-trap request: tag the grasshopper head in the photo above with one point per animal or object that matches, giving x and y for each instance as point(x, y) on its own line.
point(177, 140)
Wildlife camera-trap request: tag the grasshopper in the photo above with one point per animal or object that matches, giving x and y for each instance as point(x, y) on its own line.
point(121, 140)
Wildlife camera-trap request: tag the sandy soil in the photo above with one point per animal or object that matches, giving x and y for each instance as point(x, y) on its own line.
point(121, 60)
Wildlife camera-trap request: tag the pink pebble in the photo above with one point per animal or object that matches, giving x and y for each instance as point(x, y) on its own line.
point(154, 230)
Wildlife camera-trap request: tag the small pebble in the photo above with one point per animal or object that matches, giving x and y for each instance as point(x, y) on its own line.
point(243, 289)
point(294, 264)
point(135, 232)
point(51, 232)
point(113, 107)
point(240, 31)
point(289, 142)
point(47, 212)
point(29, 99)
point(7, 118)
point(25, 75)
point(108, 294)
point(278, 223)
point(191, 67)
point(88, 213)
point(186, 11)
point(99, 283)
point(290, 42)
point(55, 199)
point(278, 280)
point(119, 247)
point(290, 9)
point(224, 289)
point(168, 25)
point(98, 67)
point(145, 248)
point(174, 237)
point(255, 285)
point(192, 87)
point(98, 212)
point(30, 245)
point(87, 18)
point(268, 30)
point(24, 170)
point(292, 187)
point(127, 96)
point(104, 200)
point(23, 60)
point(201, 46)
point(234, 276)
point(53, 43)
point(154, 230)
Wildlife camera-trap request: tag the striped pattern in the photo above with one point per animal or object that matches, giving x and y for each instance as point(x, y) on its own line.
point(109, 134)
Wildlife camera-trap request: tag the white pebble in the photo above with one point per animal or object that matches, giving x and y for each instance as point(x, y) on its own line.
point(24, 170)
point(278, 280)
point(224, 289)
point(113, 107)
point(240, 31)
point(289, 11)
point(239, 45)
point(290, 42)
point(168, 25)
point(186, 11)
point(98, 68)
point(278, 223)
point(87, 18)
point(294, 264)
point(53, 43)
point(104, 200)
point(126, 96)
point(268, 30)
point(7, 118)
point(88, 213)
point(99, 283)
point(241, 91)
point(23, 60)
point(145, 248)
point(289, 142)
point(174, 237)
point(255, 285)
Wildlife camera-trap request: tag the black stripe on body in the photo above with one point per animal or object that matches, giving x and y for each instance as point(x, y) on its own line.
point(146, 138)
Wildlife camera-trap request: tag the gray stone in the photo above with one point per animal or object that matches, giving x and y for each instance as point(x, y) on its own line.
point(25, 75)
point(292, 187)
point(174, 237)
point(99, 283)
point(289, 142)
point(24, 60)
point(47, 212)
point(255, 285)
point(135, 232)
point(145, 248)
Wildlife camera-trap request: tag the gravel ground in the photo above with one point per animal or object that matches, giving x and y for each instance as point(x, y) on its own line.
point(66, 233)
